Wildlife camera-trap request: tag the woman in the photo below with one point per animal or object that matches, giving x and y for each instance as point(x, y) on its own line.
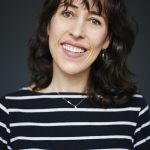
point(81, 94)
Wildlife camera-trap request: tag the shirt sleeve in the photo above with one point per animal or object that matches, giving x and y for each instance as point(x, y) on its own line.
point(142, 132)
point(4, 126)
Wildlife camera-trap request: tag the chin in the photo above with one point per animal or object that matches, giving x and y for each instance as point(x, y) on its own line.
point(71, 72)
point(74, 71)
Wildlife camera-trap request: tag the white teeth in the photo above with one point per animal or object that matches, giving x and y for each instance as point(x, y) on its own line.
point(72, 49)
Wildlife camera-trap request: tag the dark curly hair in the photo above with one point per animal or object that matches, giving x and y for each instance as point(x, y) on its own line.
point(110, 81)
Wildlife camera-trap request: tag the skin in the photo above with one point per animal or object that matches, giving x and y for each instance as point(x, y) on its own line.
point(75, 26)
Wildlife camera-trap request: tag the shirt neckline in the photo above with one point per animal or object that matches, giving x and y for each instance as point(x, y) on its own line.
point(52, 93)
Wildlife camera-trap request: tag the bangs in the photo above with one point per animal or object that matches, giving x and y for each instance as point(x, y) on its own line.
point(102, 6)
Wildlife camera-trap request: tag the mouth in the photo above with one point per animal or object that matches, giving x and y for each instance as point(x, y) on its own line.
point(74, 48)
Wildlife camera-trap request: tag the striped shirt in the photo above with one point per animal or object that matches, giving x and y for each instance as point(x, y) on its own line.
point(35, 121)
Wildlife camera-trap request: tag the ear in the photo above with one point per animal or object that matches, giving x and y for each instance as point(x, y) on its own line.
point(106, 42)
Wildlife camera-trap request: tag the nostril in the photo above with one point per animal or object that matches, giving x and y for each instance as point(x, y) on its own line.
point(77, 32)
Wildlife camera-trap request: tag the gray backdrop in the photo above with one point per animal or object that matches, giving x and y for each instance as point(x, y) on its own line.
point(18, 23)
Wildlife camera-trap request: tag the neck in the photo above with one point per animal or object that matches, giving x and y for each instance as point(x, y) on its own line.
point(63, 82)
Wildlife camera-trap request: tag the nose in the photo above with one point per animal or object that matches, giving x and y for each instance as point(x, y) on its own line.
point(77, 29)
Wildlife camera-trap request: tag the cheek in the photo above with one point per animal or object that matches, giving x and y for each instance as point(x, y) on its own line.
point(56, 33)
point(91, 57)
point(53, 38)
point(57, 26)
point(97, 39)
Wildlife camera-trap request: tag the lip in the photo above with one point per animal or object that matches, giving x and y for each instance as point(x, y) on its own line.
point(78, 45)
point(74, 56)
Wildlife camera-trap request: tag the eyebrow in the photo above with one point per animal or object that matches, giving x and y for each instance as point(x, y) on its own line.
point(76, 7)
point(95, 13)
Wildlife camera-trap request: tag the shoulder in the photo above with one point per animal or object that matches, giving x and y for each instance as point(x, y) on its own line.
point(18, 93)
point(15, 93)
point(138, 100)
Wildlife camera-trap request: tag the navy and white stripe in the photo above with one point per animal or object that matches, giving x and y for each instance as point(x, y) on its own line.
point(36, 121)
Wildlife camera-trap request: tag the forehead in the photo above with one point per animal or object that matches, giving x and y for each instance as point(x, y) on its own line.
point(87, 4)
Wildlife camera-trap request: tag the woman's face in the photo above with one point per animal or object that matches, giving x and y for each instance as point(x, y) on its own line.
point(76, 37)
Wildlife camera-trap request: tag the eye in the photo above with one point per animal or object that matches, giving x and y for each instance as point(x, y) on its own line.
point(67, 14)
point(95, 21)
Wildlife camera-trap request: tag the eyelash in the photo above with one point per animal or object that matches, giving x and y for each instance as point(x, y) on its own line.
point(97, 22)
point(67, 12)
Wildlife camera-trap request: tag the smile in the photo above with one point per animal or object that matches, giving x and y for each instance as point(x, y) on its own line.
point(73, 48)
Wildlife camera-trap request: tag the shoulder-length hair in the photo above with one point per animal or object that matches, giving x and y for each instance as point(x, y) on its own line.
point(110, 81)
